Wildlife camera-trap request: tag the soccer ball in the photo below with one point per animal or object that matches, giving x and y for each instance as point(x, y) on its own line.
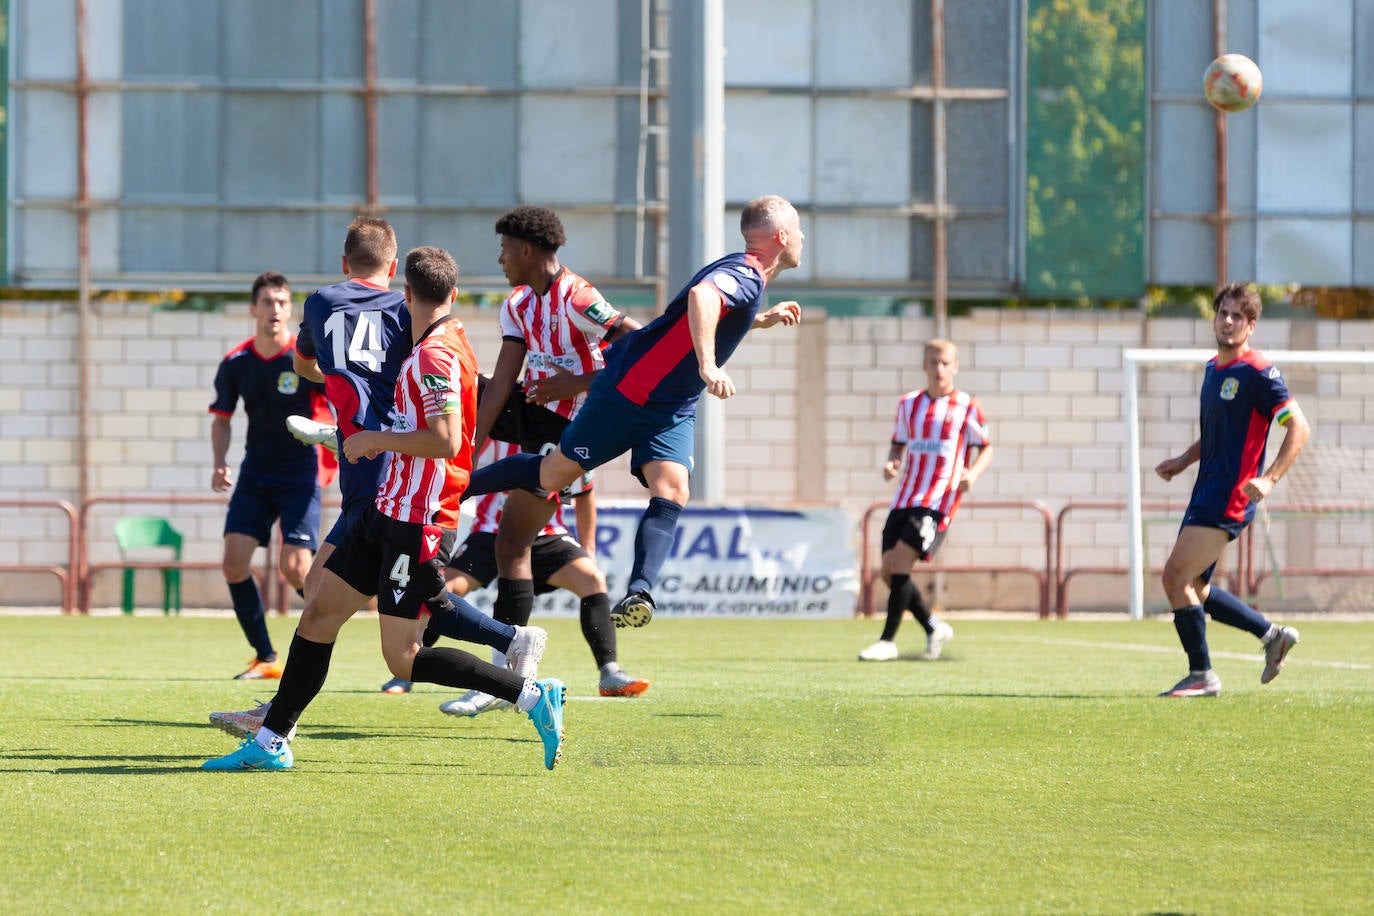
point(1232, 83)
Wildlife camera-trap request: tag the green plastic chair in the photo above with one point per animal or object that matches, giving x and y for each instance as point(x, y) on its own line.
point(141, 533)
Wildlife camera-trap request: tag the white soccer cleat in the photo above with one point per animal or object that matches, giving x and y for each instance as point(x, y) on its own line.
point(313, 432)
point(1275, 651)
point(241, 724)
point(884, 650)
point(473, 703)
point(1202, 684)
point(935, 642)
point(525, 651)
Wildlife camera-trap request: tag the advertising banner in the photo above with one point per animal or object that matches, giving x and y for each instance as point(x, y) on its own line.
point(730, 561)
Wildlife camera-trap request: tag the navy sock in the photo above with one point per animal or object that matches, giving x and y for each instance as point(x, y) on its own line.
point(518, 472)
point(456, 668)
point(307, 666)
point(1191, 624)
point(653, 542)
point(597, 628)
point(897, 600)
point(453, 617)
point(514, 601)
point(1228, 609)
point(252, 616)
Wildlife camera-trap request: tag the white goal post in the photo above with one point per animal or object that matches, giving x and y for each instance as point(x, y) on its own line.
point(1135, 358)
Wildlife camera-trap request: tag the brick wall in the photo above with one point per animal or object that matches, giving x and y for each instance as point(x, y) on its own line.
point(811, 423)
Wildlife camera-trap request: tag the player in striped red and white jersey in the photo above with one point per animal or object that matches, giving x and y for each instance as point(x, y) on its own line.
point(940, 447)
point(553, 326)
point(399, 546)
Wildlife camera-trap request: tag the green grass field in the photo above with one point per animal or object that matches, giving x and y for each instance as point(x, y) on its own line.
point(1031, 770)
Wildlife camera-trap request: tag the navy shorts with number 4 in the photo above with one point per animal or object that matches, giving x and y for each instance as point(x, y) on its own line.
point(402, 563)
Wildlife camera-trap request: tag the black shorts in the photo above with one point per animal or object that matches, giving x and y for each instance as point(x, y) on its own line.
point(476, 557)
point(534, 428)
point(402, 563)
point(917, 527)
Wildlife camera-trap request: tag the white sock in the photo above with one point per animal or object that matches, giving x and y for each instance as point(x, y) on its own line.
point(498, 658)
point(610, 668)
point(269, 740)
point(1269, 635)
point(530, 695)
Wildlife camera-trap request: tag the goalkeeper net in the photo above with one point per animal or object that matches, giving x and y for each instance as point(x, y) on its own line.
point(1311, 546)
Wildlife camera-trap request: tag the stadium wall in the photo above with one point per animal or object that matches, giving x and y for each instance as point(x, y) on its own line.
point(811, 424)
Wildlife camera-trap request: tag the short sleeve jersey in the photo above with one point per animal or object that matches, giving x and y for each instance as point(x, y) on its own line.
point(487, 509)
point(938, 433)
point(359, 334)
point(439, 378)
point(271, 391)
point(561, 329)
point(656, 365)
point(1239, 401)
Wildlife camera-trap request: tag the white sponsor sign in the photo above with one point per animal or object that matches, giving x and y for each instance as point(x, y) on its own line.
point(730, 561)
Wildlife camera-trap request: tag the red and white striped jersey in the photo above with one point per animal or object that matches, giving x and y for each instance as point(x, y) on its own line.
point(562, 328)
point(487, 511)
point(937, 433)
point(438, 378)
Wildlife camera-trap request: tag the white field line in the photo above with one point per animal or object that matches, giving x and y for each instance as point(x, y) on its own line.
point(1173, 650)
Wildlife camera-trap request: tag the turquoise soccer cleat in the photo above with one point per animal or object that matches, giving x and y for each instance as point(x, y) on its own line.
point(252, 756)
point(547, 716)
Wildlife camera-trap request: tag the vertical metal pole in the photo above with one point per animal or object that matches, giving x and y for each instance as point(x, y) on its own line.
point(1134, 544)
point(937, 81)
point(370, 101)
point(696, 189)
point(83, 262)
point(1222, 217)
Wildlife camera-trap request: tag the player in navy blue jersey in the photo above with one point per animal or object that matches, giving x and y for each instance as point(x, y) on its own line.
point(353, 338)
point(1242, 394)
point(279, 477)
point(644, 401)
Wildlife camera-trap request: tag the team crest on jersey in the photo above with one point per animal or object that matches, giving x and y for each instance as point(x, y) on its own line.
point(600, 311)
point(1229, 389)
point(435, 382)
point(288, 383)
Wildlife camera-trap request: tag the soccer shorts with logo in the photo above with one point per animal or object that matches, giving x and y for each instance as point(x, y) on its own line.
point(610, 424)
point(917, 527)
point(476, 558)
point(402, 563)
point(256, 504)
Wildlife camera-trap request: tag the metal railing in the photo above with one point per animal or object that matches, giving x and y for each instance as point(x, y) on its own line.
point(869, 574)
point(68, 576)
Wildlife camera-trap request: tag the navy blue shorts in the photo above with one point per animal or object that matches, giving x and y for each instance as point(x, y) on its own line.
point(609, 424)
point(358, 485)
point(256, 504)
point(1201, 515)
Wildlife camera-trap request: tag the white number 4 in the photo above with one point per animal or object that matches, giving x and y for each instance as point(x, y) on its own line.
point(400, 571)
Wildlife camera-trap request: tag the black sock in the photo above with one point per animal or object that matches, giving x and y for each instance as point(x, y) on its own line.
point(307, 666)
point(917, 606)
point(252, 616)
point(597, 628)
point(430, 638)
point(897, 600)
point(456, 668)
point(514, 601)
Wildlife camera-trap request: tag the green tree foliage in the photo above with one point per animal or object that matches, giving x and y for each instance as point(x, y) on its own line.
point(1086, 101)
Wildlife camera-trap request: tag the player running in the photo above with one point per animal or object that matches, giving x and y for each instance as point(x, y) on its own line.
point(397, 548)
point(1242, 394)
point(941, 437)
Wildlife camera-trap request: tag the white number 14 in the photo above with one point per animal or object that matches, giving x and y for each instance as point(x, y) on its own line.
point(365, 347)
